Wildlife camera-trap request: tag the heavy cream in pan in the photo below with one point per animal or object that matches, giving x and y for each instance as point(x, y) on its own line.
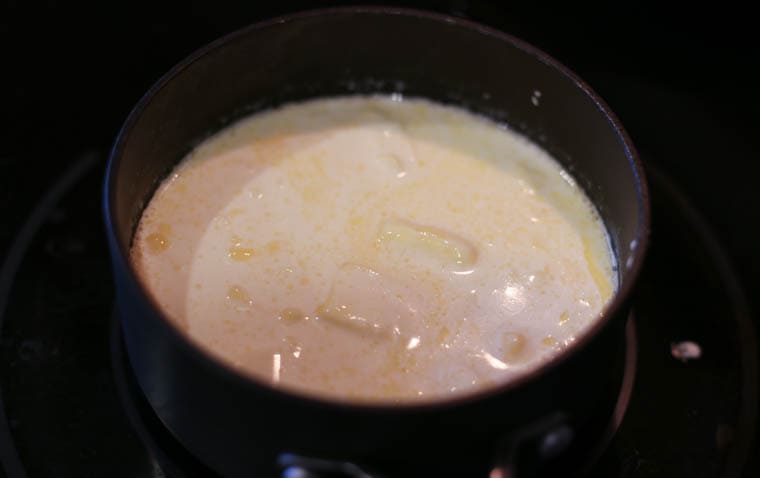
point(375, 249)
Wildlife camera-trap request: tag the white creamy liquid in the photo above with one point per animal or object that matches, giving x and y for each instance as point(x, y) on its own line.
point(365, 248)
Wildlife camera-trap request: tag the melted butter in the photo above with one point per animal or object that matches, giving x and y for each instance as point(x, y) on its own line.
point(550, 341)
point(157, 242)
point(273, 247)
point(238, 252)
point(514, 347)
point(239, 300)
point(238, 294)
point(397, 250)
point(600, 278)
point(292, 315)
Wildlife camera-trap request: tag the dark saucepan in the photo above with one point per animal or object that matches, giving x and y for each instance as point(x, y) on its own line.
point(238, 426)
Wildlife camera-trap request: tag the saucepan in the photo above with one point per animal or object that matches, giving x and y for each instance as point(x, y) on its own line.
point(239, 426)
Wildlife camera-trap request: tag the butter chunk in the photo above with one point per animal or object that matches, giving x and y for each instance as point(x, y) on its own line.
point(368, 302)
point(441, 244)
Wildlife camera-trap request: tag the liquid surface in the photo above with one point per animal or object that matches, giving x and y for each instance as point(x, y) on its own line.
point(370, 249)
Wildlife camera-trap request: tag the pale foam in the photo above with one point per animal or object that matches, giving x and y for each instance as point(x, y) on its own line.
point(372, 249)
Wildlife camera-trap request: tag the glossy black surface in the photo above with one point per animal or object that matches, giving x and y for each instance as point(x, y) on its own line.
point(682, 81)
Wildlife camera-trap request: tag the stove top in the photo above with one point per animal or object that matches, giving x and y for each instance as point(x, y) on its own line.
point(687, 105)
point(692, 413)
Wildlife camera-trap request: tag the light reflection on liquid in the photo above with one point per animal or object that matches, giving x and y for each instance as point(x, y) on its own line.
point(463, 273)
point(512, 298)
point(276, 368)
point(493, 361)
point(414, 342)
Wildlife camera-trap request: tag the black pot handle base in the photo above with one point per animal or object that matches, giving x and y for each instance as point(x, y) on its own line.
point(299, 466)
point(524, 453)
point(530, 449)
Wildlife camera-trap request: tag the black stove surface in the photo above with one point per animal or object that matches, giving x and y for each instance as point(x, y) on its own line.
point(692, 412)
point(683, 95)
